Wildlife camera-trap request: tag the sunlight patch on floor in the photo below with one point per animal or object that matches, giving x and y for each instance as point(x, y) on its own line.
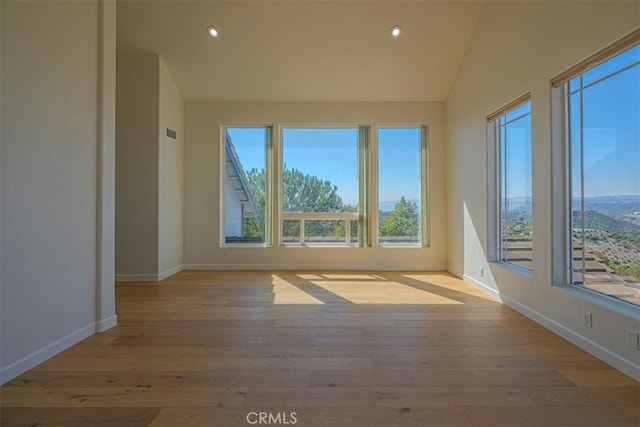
point(309, 276)
point(387, 292)
point(450, 282)
point(286, 293)
point(350, 277)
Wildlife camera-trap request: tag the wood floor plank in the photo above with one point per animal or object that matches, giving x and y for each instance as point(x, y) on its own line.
point(141, 396)
point(340, 349)
point(438, 378)
point(418, 362)
point(65, 417)
point(595, 416)
point(201, 364)
point(310, 397)
point(316, 417)
point(167, 379)
point(597, 377)
point(586, 396)
point(146, 352)
point(451, 396)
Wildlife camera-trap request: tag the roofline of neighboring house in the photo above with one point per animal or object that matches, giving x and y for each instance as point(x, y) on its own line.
point(232, 156)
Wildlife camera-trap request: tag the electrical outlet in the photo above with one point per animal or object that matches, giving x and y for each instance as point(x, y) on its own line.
point(587, 319)
point(632, 338)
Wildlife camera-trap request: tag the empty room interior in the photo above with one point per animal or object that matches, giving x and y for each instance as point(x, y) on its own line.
point(321, 213)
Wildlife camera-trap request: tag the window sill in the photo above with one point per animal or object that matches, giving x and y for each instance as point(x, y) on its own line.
point(244, 245)
point(607, 302)
point(317, 245)
point(513, 268)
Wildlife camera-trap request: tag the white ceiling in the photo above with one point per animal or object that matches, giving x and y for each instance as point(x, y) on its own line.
point(303, 50)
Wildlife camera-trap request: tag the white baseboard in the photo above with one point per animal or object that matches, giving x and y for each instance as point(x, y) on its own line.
point(105, 324)
point(325, 267)
point(136, 278)
point(626, 366)
point(37, 357)
point(454, 271)
point(149, 277)
point(483, 287)
point(170, 272)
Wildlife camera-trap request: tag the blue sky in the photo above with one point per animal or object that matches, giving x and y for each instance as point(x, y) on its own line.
point(611, 116)
point(332, 154)
point(515, 137)
point(329, 154)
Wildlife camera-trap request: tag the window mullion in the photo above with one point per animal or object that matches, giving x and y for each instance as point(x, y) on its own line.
point(425, 220)
point(363, 188)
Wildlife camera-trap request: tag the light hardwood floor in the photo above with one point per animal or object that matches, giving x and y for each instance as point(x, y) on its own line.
point(337, 349)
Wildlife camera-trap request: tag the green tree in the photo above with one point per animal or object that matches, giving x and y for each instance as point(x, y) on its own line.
point(301, 193)
point(308, 193)
point(402, 221)
point(254, 227)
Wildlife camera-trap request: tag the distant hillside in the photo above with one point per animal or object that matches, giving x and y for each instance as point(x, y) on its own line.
point(596, 220)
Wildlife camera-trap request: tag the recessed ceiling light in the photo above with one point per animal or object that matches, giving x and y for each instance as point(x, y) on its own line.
point(212, 32)
point(396, 30)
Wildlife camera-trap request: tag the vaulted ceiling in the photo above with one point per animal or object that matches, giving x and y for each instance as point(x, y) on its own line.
point(303, 50)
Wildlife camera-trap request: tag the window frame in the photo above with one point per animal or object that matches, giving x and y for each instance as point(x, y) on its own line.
point(494, 185)
point(562, 171)
point(424, 210)
point(268, 237)
point(363, 205)
point(367, 216)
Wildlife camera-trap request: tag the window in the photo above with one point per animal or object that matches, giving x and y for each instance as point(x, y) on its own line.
point(245, 185)
point(602, 146)
point(324, 186)
point(401, 183)
point(320, 186)
point(511, 128)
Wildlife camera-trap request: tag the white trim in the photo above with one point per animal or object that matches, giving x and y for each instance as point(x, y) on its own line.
point(105, 161)
point(136, 277)
point(605, 301)
point(149, 277)
point(514, 268)
point(625, 366)
point(106, 324)
point(451, 269)
point(222, 191)
point(170, 272)
point(483, 287)
point(31, 360)
point(323, 266)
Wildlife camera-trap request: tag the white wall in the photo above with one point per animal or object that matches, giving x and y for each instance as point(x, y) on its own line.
point(52, 118)
point(171, 178)
point(202, 185)
point(518, 47)
point(137, 166)
point(149, 170)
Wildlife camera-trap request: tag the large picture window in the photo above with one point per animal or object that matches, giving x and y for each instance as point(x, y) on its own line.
point(511, 165)
point(313, 186)
point(602, 107)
